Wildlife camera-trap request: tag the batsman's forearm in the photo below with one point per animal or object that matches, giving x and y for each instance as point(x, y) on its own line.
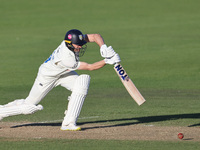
point(97, 38)
point(94, 66)
point(97, 65)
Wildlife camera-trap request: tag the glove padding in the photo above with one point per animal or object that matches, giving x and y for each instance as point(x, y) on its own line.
point(113, 60)
point(107, 52)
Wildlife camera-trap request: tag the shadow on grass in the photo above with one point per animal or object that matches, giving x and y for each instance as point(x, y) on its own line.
point(128, 121)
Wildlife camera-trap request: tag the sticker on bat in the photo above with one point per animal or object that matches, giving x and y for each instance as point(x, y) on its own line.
point(122, 72)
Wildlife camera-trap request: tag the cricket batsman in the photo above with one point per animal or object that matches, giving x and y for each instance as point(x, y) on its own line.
point(59, 69)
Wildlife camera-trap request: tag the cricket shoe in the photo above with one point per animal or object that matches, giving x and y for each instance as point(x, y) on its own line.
point(70, 127)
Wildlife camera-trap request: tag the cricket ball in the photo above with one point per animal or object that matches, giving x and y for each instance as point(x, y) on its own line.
point(180, 135)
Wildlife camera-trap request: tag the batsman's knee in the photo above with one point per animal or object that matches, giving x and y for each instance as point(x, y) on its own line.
point(81, 85)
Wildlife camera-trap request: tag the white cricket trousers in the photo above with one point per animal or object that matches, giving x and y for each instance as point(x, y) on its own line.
point(43, 85)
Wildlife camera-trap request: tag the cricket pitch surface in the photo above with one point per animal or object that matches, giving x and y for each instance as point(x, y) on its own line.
point(28, 131)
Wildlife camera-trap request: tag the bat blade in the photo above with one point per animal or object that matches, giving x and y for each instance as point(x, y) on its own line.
point(128, 84)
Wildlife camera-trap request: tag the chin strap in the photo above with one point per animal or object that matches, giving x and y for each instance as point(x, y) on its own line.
point(69, 45)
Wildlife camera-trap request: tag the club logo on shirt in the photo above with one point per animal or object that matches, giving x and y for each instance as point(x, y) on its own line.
point(75, 65)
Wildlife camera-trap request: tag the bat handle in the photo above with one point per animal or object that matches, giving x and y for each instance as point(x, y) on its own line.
point(116, 64)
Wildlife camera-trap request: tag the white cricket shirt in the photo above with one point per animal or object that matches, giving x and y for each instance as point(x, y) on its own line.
point(61, 61)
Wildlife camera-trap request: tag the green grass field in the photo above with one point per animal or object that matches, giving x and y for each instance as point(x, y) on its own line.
point(158, 42)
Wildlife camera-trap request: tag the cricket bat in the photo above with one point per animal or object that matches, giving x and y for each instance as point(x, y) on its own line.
point(129, 85)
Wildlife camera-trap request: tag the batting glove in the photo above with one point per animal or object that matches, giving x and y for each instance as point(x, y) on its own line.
point(113, 60)
point(107, 52)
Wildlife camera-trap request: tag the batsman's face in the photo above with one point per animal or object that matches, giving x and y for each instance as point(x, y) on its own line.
point(77, 48)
